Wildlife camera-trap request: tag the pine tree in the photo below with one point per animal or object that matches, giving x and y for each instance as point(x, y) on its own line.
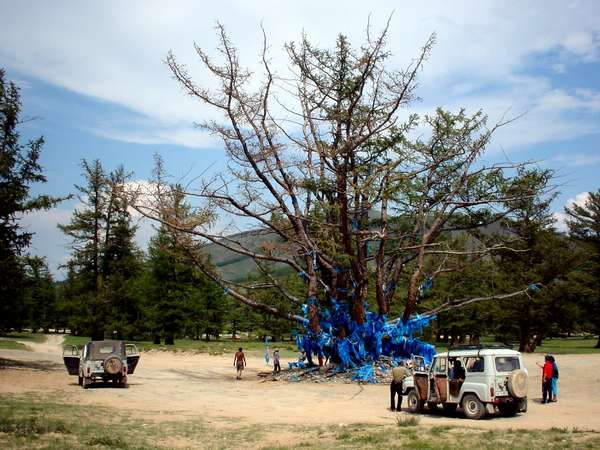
point(19, 169)
point(541, 257)
point(584, 226)
point(85, 230)
point(105, 259)
point(179, 296)
point(40, 294)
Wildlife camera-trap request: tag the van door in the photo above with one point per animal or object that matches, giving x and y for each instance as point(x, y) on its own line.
point(440, 378)
point(133, 357)
point(71, 359)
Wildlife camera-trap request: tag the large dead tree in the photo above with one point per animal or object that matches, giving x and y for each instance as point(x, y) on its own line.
point(352, 192)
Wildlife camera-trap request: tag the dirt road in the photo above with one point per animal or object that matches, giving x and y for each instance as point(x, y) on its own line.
point(179, 385)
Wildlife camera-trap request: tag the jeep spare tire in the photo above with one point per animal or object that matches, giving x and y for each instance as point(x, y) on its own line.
point(517, 383)
point(113, 365)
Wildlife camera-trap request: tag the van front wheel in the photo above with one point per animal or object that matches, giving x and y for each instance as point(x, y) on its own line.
point(472, 407)
point(415, 404)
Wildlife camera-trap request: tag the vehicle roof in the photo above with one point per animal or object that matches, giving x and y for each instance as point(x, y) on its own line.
point(95, 346)
point(106, 342)
point(480, 352)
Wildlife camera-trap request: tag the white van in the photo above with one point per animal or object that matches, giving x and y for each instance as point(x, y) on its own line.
point(488, 379)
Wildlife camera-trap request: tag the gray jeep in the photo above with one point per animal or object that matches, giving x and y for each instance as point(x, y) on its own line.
point(101, 361)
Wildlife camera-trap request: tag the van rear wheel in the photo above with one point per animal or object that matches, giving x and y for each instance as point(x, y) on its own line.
point(473, 407)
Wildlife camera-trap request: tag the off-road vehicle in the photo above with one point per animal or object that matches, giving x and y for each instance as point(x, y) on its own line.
point(494, 380)
point(101, 361)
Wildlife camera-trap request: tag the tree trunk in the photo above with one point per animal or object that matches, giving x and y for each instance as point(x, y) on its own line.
point(169, 339)
point(539, 339)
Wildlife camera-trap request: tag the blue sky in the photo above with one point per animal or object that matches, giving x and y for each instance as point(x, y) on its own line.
point(92, 76)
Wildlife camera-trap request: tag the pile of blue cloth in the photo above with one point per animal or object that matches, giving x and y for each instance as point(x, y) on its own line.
point(351, 345)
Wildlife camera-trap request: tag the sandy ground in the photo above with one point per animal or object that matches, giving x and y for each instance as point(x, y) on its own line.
point(170, 386)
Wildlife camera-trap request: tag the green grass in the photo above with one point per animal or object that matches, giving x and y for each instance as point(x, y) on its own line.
point(217, 347)
point(76, 340)
point(556, 346)
point(8, 341)
point(28, 421)
point(447, 437)
point(7, 344)
point(574, 345)
point(407, 421)
point(25, 336)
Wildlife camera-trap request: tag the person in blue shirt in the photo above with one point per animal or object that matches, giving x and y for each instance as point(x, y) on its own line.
point(554, 379)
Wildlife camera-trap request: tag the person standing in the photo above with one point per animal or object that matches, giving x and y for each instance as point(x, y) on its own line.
point(239, 362)
point(554, 379)
point(398, 376)
point(547, 380)
point(276, 364)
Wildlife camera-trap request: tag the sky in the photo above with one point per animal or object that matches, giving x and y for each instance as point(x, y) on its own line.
point(93, 79)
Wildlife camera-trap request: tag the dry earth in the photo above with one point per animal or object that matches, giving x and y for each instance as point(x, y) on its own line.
point(170, 386)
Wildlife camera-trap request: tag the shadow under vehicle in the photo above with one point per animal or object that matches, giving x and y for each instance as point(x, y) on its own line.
point(101, 361)
point(490, 379)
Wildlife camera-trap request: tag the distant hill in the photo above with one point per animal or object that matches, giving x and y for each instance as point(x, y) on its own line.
point(236, 267)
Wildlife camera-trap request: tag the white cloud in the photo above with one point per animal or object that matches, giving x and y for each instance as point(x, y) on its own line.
point(48, 240)
point(541, 114)
point(155, 132)
point(577, 159)
point(584, 44)
point(113, 50)
point(561, 218)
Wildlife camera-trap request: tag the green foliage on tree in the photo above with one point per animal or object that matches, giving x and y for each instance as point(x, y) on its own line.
point(179, 298)
point(584, 227)
point(19, 169)
point(105, 260)
point(39, 295)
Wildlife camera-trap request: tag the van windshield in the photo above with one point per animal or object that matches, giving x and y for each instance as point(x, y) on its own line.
point(507, 363)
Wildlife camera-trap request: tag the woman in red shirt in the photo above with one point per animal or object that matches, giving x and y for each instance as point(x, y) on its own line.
point(547, 372)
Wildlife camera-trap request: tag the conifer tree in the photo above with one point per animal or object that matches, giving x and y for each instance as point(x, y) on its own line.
point(19, 169)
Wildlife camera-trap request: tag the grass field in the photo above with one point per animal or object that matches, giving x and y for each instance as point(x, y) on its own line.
point(574, 345)
point(9, 344)
point(557, 346)
point(215, 347)
point(53, 423)
point(9, 341)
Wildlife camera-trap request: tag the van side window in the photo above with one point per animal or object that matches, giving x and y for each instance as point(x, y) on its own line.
point(440, 365)
point(474, 364)
point(507, 363)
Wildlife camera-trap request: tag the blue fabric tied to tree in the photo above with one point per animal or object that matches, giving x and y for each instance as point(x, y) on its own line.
point(427, 284)
point(351, 345)
point(302, 274)
point(389, 287)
